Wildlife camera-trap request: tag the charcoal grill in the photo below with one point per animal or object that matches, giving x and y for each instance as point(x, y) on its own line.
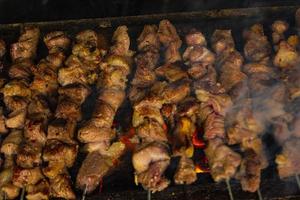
point(120, 184)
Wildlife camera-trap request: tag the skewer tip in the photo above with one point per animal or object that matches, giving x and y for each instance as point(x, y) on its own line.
point(149, 195)
point(84, 193)
point(229, 189)
point(259, 194)
point(297, 180)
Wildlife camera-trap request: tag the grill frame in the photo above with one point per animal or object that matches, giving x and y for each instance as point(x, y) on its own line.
point(206, 21)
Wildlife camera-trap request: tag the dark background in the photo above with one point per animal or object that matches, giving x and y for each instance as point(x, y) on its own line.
point(13, 11)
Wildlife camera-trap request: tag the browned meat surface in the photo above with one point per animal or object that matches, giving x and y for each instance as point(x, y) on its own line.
point(185, 173)
point(121, 42)
point(151, 130)
point(34, 131)
point(11, 191)
point(288, 161)
point(222, 41)
point(55, 150)
point(27, 44)
point(172, 72)
point(149, 163)
point(278, 28)
point(40, 191)
point(176, 91)
point(60, 187)
point(250, 171)
point(77, 92)
point(194, 54)
point(62, 130)
point(94, 167)
point(222, 160)
point(23, 177)
point(29, 155)
point(257, 46)
point(169, 38)
point(11, 143)
point(68, 109)
point(286, 56)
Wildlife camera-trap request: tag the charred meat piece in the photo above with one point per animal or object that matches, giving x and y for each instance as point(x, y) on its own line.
point(288, 161)
point(60, 187)
point(194, 54)
point(29, 155)
point(34, 131)
point(172, 72)
point(23, 177)
point(286, 56)
point(77, 92)
point(222, 41)
point(257, 46)
point(55, 150)
point(148, 38)
point(11, 142)
point(250, 171)
point(27, 44)
point(176, 91)
point(185, 173)
point(40, 191)
point(222, 160)
point(62, 130)
point(169, 38)
point(151, 130)
point(149, 163)
point(121, 42)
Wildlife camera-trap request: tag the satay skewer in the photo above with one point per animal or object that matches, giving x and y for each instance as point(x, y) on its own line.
point(84, 193)
point(259, 194)
point(297, 180)
point(229, 189)
point(22, 193)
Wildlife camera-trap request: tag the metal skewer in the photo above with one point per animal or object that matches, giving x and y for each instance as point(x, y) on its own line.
point(22, 194)
point(149, 195)
point(259, 194)
point(297, 180)
point(229, 189)
point(84, 193)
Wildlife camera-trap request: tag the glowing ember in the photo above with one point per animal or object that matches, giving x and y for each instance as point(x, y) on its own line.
point(101, 185)
point(198, 142)
point(126, 139)
point(165, 127)
point(200, 169)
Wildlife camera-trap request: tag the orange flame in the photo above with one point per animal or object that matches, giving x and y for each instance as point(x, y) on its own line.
point(126, 139)
point(200, 169)
point(197, 142)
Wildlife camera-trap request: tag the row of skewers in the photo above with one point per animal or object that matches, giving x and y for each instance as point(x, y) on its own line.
point(233, 97)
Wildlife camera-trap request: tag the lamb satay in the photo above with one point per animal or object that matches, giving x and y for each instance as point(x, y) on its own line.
point(146, 61)
point(44, 86)
point(98, 132)
point(3, 128)
point(197, 57)
point(240, 123)
point(286, 130)
point(214, 103)
point(74, 79)
point(9, 148)
point(16, 92)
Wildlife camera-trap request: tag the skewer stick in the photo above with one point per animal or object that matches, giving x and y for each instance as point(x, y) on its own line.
point(84, 193)
point(259, 194)
point(229, 189)
point(297, 180)
point(22, 194)
point(149, 195)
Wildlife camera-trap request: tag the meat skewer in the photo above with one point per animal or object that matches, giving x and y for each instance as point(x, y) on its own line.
point(17, 95)
point(214, 104)
point(61, 148)
point(44, 86)
point(286, 57)
point(98, 132)
point(178, 109)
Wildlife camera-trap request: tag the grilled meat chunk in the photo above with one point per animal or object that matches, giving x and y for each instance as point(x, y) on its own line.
point(222, 160)
point(23, 177)
point(60, 187)
point(185, 173)
point(288, 161)
point(11, 143)
point(150, 162)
